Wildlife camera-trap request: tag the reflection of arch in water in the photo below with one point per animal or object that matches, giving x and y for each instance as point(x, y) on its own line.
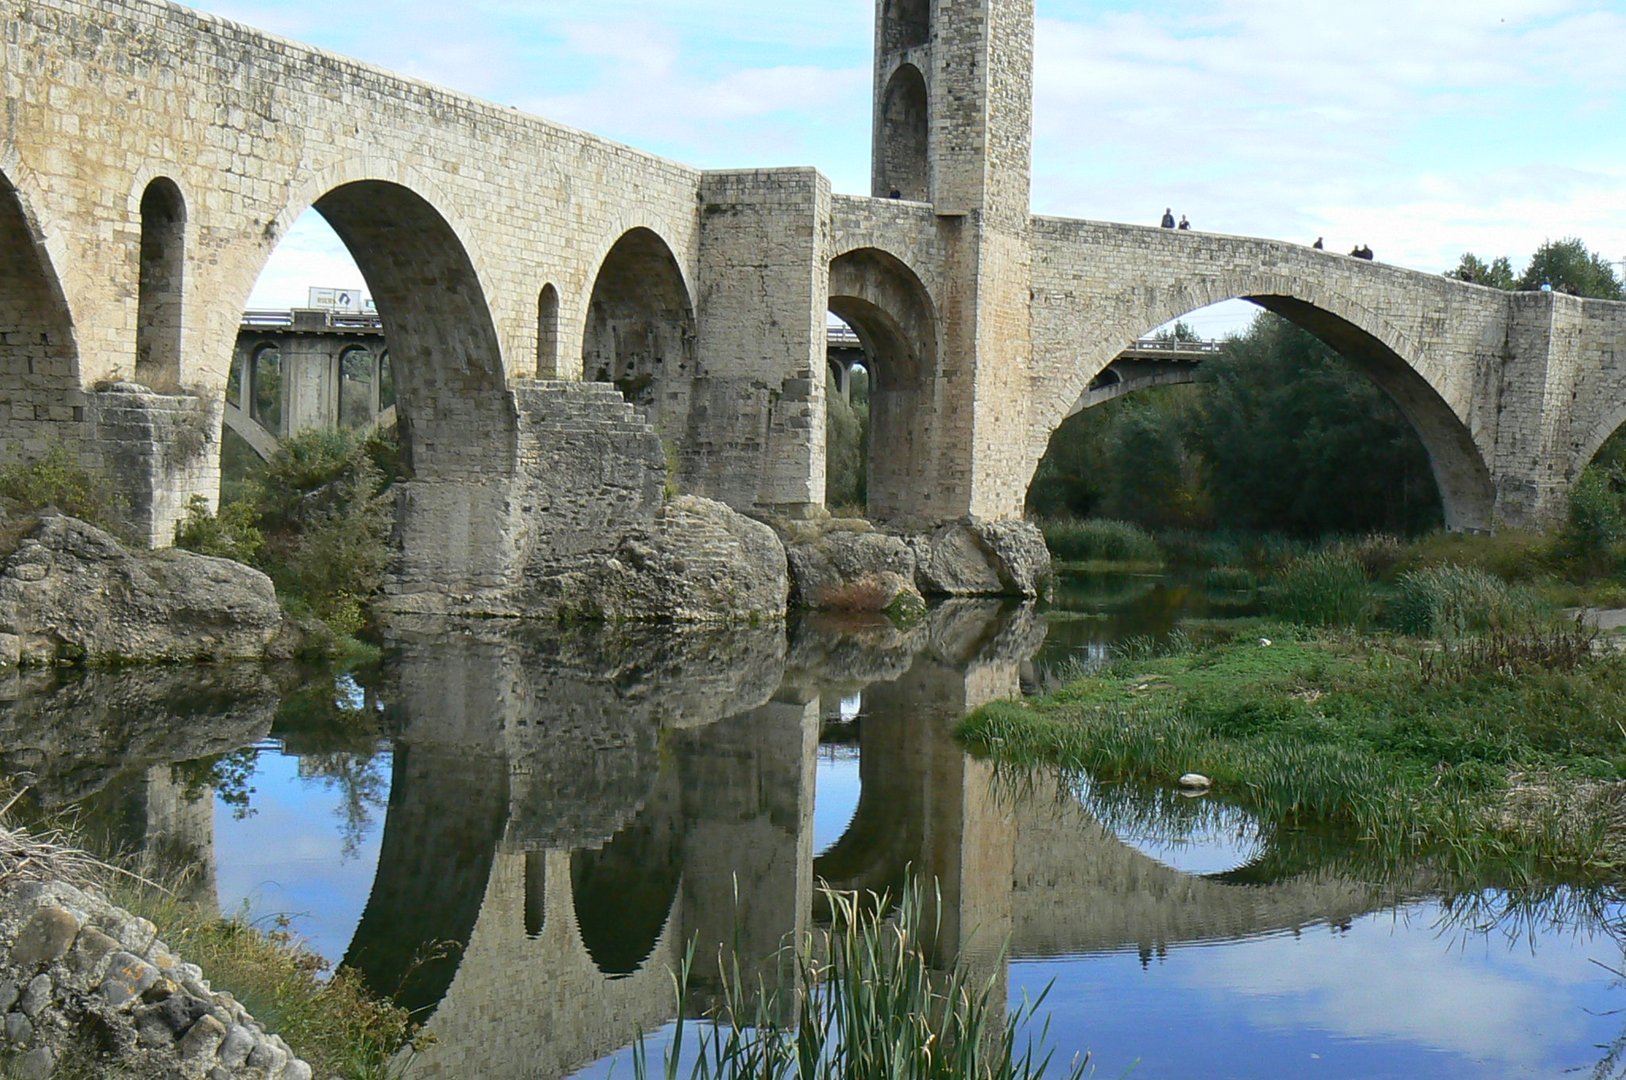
point(625, 892)
point(445, 818)
point(1079, 889)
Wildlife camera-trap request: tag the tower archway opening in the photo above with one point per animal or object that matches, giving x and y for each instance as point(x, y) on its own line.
point(903, 136)
point(894, 328)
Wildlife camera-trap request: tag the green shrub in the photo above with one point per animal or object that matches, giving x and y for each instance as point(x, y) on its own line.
point(338, 557)
point(1451, 602)
point(57, 479)
point(233, 533)
point(1595, 521)
point(1328, 588)
point(1099, 539)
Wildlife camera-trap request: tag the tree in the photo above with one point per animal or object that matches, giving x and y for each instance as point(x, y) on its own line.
point(1498, 274)
point(1570, 268)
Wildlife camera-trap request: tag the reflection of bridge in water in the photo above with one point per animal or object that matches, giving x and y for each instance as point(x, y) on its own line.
point(567, 813)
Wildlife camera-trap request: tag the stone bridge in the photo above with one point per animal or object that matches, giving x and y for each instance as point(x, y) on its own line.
point(151, 157)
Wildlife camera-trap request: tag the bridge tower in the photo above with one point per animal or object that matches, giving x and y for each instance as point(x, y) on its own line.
point(953, 120)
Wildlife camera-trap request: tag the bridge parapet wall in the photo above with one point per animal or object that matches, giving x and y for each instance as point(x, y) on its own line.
point(1599, 389)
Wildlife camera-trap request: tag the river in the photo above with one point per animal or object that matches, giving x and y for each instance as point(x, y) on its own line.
point(516, 830)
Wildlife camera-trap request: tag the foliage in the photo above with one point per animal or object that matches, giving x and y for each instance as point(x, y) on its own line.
point(1595, 520)
point(1452, 602)
point(1498, 274)
point(56, 478)
point(1099, 539)
point(1327, 588)
point(1570, 268)
point(846, 429)
point(1565, 264)
point(1297, 441)
point(864, 1002)
point(1414, 746)
point(316, 518)
point(231, 534)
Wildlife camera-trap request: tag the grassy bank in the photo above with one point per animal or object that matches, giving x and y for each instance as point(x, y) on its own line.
point(1504, 747)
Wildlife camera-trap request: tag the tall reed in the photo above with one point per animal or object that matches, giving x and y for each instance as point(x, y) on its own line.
point(864, 1001)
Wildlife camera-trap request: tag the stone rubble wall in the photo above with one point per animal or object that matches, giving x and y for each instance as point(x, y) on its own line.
point(75, 969)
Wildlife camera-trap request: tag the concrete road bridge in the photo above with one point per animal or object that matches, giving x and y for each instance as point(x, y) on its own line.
point(151, 157)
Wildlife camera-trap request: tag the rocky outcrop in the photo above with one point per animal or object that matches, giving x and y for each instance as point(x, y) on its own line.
point(700, 562)
point(847, 565)
point(71, 592)
point(981, 558)
point(79, 976)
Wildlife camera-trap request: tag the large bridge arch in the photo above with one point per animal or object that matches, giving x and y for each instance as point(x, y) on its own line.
point(1382, 352)
point(38, 344)
point(895, 318)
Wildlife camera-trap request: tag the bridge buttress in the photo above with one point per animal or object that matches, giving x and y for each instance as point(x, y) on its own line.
point(755, 437)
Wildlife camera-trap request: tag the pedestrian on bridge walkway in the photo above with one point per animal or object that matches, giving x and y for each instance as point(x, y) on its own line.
point(1168, 217)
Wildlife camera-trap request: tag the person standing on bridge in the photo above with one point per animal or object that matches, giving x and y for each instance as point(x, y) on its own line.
point(1184, 224)
point(1168, 217)
point(1318, 245)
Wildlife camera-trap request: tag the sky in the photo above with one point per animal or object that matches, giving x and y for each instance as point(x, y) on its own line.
point(1423, 130)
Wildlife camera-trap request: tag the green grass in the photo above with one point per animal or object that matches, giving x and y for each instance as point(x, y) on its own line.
point(1489, 748)
point(864, 1000)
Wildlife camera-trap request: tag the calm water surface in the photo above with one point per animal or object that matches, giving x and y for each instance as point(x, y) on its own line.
point(516, 832)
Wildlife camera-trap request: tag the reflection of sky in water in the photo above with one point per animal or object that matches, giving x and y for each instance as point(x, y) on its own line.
point(1219, 836)
point(835, 794)
point(288, 858)
point(1392, 996)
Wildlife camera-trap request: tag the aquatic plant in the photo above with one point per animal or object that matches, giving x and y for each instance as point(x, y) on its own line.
point(1451, 602)
point(863, 1000)
point(1327, 588)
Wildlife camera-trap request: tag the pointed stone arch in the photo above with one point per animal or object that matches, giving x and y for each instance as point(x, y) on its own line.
point(626, 893)
point(1380, 351)
point(547, 332)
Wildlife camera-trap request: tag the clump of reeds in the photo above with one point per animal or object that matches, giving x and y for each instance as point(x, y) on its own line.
point(1099, 540)
point(1328, 588)
point(1448, 601)
point(864, 1002)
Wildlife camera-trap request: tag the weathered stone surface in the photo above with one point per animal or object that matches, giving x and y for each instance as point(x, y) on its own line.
point(150, 1023)
point(981, 558)
point(701, 562)
point(848, 566)
point(47, 936)
point(71, 591)
point(37, 1064)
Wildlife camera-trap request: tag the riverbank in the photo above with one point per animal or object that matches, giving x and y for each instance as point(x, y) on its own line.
point(93, 983)
point(1501, 749)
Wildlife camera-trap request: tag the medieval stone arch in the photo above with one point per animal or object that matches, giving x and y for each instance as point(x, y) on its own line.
point(39, 356)
point(895, 319)
point(1380, 351)
point(903, 137)
point(640, 330)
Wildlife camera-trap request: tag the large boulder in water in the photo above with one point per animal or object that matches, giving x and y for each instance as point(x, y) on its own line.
point(846, 565)
point(981, 558)
point(72, 592)
point(700, 562)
